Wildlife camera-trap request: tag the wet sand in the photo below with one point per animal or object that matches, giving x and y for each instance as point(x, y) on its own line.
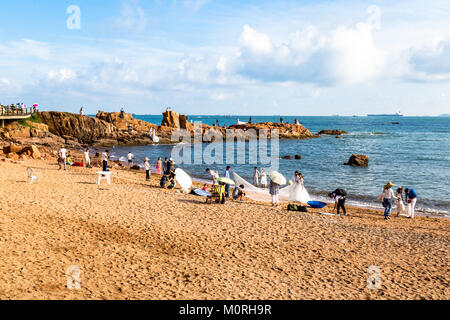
point(133, 240)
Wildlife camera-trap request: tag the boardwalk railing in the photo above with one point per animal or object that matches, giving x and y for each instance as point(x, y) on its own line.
point(16, 112)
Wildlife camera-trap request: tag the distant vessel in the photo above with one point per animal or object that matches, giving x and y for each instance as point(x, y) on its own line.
point(398, 114)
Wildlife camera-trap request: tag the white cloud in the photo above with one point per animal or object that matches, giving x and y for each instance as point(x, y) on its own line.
point(26, 48)
point(255, 43)
point(344, 55)
point(61, 75)
point(431, 63)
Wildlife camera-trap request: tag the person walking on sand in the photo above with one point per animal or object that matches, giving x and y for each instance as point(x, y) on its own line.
point(62, 157)
point(87, 158)
point(105, 157)
point(400, 204)
point(147, 169)
point(263, 179)
point(387, 197)
point(256, 176)
point(227, 186)
point(274, 190)
point(159, 166)
point(411, 198)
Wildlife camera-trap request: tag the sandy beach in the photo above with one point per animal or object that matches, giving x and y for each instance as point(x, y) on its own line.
point(133, 240)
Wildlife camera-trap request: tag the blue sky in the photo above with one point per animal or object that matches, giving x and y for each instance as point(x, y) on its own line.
point(228, 57)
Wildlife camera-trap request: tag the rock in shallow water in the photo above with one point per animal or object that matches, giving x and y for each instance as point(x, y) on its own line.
point(358, 160)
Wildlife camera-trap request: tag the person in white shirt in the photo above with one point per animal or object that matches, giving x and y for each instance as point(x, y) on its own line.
point(87, 159)
point(62, 157)
point(147, 169)
point(130, 158)
point(387, 197)
point(214, 175)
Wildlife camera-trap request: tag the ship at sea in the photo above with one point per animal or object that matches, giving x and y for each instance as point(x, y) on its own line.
point(398, 114)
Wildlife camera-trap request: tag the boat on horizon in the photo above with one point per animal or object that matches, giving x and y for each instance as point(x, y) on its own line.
point(398, 114)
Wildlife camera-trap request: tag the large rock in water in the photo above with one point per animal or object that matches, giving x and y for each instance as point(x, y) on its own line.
point(174, 120)
point(332, 132)
point(358, 160)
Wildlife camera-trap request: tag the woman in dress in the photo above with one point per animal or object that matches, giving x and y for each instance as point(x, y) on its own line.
point(400, 204)
point(159, 166)
point(297, 190)
point(263, 179)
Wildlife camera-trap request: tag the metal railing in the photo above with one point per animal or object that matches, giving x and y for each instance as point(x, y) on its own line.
point(16, 112)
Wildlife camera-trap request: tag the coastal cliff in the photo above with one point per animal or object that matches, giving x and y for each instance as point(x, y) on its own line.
point(119, 128)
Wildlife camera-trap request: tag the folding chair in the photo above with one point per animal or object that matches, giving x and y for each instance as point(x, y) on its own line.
point(32, 175)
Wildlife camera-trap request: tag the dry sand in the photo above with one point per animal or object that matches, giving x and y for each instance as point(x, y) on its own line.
point(133, 240)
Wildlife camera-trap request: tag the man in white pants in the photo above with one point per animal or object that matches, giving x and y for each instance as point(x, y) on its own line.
point(62, 157)
point(411, 198)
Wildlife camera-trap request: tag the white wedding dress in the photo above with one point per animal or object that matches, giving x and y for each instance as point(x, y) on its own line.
point(295, 192)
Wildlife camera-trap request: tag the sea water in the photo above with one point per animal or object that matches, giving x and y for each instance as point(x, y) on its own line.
point(414, 153)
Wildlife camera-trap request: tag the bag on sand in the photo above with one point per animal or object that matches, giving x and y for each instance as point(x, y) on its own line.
point(294, 207)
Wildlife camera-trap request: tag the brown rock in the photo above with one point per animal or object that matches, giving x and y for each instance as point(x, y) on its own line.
point(13, 156)
point(298, 157)
point(332, 132)
point(358, 160)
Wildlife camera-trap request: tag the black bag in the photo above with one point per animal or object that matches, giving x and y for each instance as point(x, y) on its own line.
point(302, 209)
point(164, 181)
point(340, 192)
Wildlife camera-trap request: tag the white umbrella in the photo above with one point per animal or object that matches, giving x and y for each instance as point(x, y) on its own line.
point(277, 178)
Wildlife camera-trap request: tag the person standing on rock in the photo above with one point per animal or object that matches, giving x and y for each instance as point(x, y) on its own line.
point(87, 159)
point(105, 157)
point(147, 169)
point(62, 157)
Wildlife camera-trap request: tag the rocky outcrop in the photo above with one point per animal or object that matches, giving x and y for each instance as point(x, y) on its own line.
point(286, 130)
point(82, 129)
point(16, 152)
point(126, 122)
point(358, 160)
point(332, 132)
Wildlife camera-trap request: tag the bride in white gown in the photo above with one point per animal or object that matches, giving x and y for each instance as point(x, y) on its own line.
point(297, 190)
